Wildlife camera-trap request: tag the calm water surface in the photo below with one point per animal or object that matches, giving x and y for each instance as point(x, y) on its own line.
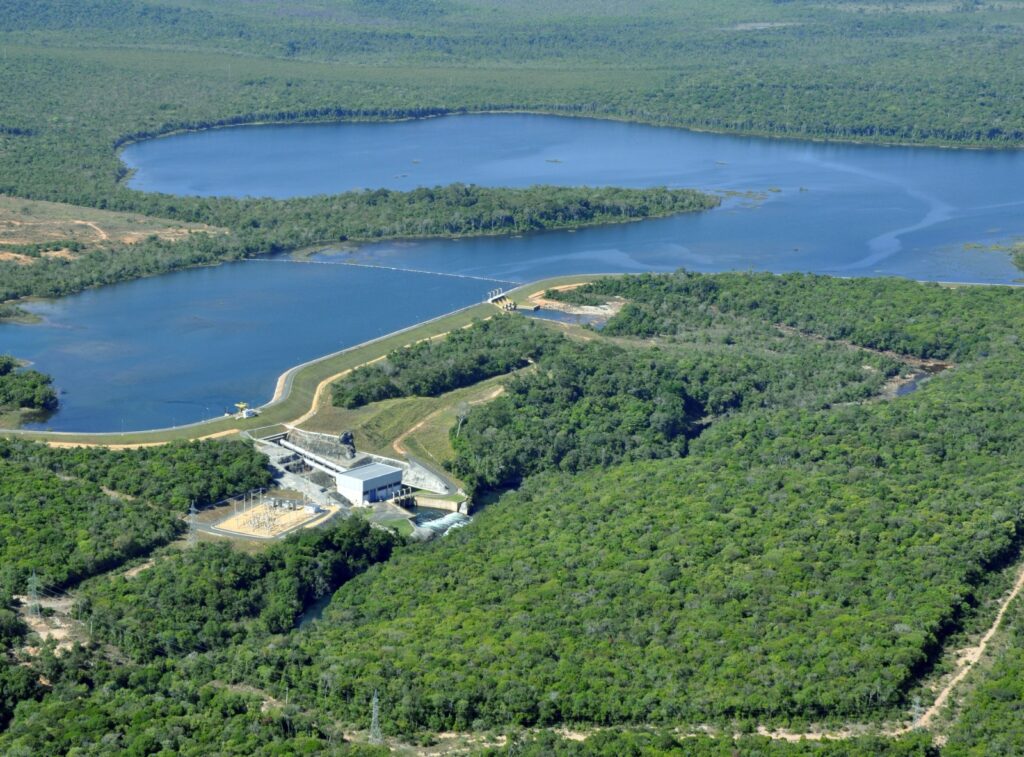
point(183, 347)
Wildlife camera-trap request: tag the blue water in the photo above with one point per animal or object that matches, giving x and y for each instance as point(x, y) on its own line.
point(186, 346)
point(183, 347)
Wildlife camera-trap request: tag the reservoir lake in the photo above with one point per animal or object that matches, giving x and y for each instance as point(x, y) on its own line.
point(188, 345)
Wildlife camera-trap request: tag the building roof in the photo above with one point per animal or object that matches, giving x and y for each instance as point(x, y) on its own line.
point(371, 471)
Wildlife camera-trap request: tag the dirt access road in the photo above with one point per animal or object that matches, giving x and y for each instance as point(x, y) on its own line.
point(398, 444)
point(966, 659)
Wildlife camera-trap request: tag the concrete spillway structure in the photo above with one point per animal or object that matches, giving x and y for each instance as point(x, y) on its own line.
point(447, 523)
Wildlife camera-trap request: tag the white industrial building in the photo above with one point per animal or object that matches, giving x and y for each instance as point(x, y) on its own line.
point(360, 481)
point(369, 483)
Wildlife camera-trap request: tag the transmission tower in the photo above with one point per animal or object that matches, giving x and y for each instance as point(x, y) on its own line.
point(192, 523)
point(376, 737)
point(33, 595)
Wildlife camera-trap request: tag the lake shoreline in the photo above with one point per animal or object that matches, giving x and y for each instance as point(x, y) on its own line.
point(120, 144)
point(711, 201)
point(286, 405)
point(324, 370)
point(203, 340)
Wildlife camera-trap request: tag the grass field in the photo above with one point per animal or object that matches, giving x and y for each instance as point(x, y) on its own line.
point(429, 440)
point(417, 424)
point(34, 223)
point(401, 525)
point(14, 418)
point(375, 425)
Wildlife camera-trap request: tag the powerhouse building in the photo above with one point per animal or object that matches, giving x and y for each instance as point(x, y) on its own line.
point(369, 483)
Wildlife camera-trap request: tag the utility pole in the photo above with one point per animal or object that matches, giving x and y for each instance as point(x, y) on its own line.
point(376, 737)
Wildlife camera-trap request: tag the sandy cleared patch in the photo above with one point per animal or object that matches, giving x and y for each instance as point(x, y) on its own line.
point(266, 522)
point(99, 232)
point(398, 445)
point(968, 657)
point(27, 222)
point(610, 308)
point(759, 26)
point(132, 572)
point(64, 254)
point(58, 626)
point(72, 445)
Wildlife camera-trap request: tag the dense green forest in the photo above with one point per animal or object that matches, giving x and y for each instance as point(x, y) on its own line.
point(66, 530)
point(598, 404)
point(715, 520)
point(796, 566)
point(174, 475)
point(79, 79)
point(267, 226)
point(22, 389)
point(805, 561)
point(169, 701)
point(909, 318)
point(17, 682)
point(800, 564)
point(69, 514)
point(996, 699)
point(430, 368)
point(611, 743)
point(72, 513)
point(95, 706)
point(156, 614)
point(160, 715)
